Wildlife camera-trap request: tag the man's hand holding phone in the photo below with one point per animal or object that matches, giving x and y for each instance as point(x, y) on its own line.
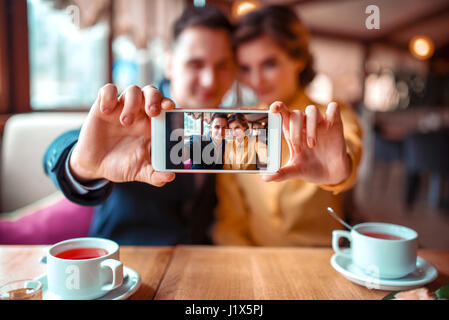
point(115, 140)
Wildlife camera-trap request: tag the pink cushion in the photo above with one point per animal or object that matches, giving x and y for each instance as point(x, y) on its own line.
point(188, 164)
point(59, 221)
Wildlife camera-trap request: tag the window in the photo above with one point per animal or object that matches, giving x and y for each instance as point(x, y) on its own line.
point(67, 64)
point(192, 124)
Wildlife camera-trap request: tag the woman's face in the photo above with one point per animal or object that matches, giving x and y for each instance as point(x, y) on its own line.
point(237, 130)
point(268, 70)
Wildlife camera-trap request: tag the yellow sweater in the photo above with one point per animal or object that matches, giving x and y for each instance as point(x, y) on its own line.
point(243, 155)
point(288, 213)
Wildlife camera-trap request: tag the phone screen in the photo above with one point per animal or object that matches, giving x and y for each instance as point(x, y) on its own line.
point(217, 141)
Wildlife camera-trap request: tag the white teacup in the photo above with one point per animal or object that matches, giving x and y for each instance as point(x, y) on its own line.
point(84, 279)
point(378, 257)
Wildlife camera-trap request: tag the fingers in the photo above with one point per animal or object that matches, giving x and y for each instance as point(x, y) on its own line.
point(108, 98)
point(332, 114)
point(133, 102)
point(292, 125)
point(296, 124)
point(280, 107)
point(314, 118)
point(167, 104)
point(153, 98)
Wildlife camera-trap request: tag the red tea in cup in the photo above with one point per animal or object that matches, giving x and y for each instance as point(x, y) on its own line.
point(82, 253)
point(380, 235)
point(90, 265)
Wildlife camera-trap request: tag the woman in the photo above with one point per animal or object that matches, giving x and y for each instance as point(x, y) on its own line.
point(243, 152)
point(319, 159)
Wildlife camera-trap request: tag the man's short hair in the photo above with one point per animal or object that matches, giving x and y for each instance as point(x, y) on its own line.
point(240, 118)
point(218, 115)
point(208, 16)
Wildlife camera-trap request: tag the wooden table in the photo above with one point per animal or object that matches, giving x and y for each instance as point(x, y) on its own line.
point(208, 272)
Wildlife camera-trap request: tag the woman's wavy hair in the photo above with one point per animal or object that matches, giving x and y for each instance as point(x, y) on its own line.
point(283, 25)
point(240, 118)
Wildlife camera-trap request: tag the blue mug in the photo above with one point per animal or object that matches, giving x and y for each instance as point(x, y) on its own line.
point(381, 250)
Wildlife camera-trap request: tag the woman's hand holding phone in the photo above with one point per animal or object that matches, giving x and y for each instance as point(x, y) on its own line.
point(316, 143)
point(115, 140)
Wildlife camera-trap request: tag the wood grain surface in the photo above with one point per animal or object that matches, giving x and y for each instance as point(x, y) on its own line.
point(208, 272)
point(151, 264)
point(267, 273)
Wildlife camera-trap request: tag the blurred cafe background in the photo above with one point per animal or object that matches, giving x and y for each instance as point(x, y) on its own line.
point(56, 54)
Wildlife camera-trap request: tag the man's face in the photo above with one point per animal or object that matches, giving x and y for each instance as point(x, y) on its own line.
point(201, 68)
point(218, 129)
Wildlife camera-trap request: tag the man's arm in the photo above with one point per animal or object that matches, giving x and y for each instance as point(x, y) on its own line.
point(55, 166)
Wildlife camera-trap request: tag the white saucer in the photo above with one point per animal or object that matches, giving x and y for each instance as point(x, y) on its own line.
point(423, 274)
point(131, 282)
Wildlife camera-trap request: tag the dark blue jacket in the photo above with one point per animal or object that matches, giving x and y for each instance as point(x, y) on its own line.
point(202, 143)
point(137, 213)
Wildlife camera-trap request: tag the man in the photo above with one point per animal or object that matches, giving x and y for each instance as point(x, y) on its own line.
point(206, 152)
point(108, 162)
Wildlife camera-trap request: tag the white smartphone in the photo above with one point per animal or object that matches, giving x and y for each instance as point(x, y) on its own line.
point(216, 140)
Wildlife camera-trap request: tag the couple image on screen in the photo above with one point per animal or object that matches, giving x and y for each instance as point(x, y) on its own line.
point(230, 144)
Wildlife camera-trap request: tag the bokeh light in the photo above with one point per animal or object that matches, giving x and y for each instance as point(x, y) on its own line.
point(421, 47)
point(240, 8)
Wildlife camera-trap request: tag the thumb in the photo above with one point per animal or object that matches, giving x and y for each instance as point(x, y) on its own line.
point(280, 107)
point(284, 173)
point(155, 178)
